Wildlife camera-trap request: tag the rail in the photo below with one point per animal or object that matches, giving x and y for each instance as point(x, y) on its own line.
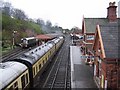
point(58, 76)
point(13, 54)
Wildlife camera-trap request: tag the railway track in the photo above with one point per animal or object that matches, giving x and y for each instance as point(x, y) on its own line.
point(12, 51)
point(59, 75)
point(13, 54)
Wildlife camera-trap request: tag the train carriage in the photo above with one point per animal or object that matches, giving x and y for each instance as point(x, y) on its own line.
point(36, 60)
point(14, 75)
point(34, 63)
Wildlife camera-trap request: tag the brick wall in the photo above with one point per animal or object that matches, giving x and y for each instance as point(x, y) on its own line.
point(112, 75)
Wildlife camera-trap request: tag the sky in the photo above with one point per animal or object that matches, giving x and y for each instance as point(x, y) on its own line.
point(64, 13)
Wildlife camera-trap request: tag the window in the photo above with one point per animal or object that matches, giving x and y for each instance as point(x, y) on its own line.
point(90, 37)
point(26, 78)
point(39, 66)
point(48, 55)
point(15, 84)
point(23, 81)
point(36, 69)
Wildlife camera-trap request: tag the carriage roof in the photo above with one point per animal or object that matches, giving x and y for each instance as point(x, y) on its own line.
point(9, 71)
point(29, 38)
point(33, 55)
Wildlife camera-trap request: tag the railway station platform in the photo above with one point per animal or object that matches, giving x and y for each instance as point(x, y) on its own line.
point(81, 74)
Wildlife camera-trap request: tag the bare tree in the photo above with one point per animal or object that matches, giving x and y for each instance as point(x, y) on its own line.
point(40, 22)
point(19, 14)
point(48, 23)
point(6, 8)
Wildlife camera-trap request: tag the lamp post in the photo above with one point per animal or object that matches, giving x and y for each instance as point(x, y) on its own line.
point(13, 43)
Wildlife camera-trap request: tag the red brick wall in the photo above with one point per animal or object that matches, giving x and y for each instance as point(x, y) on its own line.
point(112, 75)
point(103, 66)
point(111, 72)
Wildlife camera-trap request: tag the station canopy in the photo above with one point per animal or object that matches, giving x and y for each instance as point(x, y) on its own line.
point(44, 37)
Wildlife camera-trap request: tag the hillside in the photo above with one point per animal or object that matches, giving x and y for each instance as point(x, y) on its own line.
point(21, 28)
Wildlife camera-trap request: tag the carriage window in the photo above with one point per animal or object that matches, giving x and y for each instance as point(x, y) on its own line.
point(23, 81)
point(39, 66)
point(15, 84)
point(26, 78)
point(36, 69)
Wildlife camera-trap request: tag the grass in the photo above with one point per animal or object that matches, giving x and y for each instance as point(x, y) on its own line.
point(5, 50)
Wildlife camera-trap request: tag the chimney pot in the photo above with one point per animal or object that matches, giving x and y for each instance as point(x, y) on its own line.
point(112, 4)
point(111, 12)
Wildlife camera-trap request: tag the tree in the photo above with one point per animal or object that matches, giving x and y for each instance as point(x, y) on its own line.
point(6, 8)
point(19, 14)
point(40, 22)
point(7, 22)
point(48, 23)
point(75, 29)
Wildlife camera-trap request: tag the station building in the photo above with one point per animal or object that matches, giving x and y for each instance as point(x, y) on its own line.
point(101, 41)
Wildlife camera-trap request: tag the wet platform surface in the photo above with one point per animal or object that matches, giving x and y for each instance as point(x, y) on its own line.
point(81, 74)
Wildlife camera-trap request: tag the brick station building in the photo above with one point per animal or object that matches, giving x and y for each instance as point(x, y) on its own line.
point(101, 41)
point(106, 65)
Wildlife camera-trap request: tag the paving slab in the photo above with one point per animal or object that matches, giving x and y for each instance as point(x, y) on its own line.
point(81, 74)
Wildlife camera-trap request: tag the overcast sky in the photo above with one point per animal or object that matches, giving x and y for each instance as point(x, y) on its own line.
point(65, 13)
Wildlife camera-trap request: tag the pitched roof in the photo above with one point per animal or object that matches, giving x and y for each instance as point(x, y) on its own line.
point(109, 34)
point(53, 35)
point(90, 23)
point(43, 37)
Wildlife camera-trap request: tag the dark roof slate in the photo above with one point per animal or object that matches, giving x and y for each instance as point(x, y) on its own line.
point(90, 23)
point(109, 33)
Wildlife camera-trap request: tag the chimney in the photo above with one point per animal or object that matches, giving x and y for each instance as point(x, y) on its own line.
point(111, 12)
